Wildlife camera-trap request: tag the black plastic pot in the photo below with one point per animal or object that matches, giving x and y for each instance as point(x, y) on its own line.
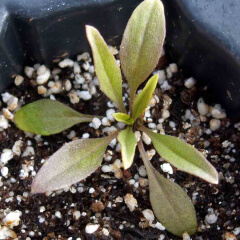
point(202, 36)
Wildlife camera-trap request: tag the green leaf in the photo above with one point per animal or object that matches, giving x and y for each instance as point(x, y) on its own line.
point(128, 143)
point(183, 156)
point(46, 117)
point(123, 117)
point(107, 70)
point(70, 164)
point(144, 97)
point(170, 203)
point(142, 42)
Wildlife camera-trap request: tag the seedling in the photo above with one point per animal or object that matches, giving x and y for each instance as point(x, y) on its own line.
point(139, 53)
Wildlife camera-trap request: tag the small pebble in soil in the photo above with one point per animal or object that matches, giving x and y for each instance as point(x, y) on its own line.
point(166, 167)
point(142, 171)
point(186, 236)
point(165, 113)
point(3, 123)
point(4, 171)
point(91, 228)
point(130, 201)
point(190, 82)
point(96, 123)
point(107, 168)
point(76, 215)
point(85, 135)
point(58, 214)
point(229, 236)
point(7, 155)
point(109, 115)
point(18, 80)
point(85, 95)
point(215, 124)
point(91, 190)
point(66, 63)
point(148, 214)
point(173, 67)
point(218, 112)
point(12, 219)
point(6, 233)
point(211, 217)
point(29, 71)
point(146, 139)
point(236, 231)
point(138, 135)
point(202, 107)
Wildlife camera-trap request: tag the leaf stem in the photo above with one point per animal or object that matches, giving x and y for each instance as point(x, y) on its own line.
point(131, 100)
point(144, 155)
point(114, 135)
point(142, 128)
point(122, 108)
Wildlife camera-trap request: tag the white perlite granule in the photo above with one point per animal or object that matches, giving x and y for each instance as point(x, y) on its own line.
point(148, 214)
point(190, 82)
point(91, 228)
point(29, 71)
point(7, 114)
point(17, 147)
point(202, 107)
point(166, 167)
point(109, 114)
point(146, 138)
point(215, 124)
point(76, 215)
point(58, 214)
point(85, 95)
point(96, 123)
point(186, 236)
point(43, 74)
point(6, 233)
point(4, 171)
point(12, 219)
point(66, 63)
point(18, 80)
point(3, 122)
point(6, 155)
point(211, 217)
point(130, 201)
point(142, 171)
point(218, 112)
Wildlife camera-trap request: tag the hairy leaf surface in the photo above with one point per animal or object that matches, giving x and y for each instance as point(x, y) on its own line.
point(107, 70)
point(142, 42)
point(144, 97)
point(46, 117)
point(170, 203)
point(183, 156)
point(128, 143)
point(70, 164)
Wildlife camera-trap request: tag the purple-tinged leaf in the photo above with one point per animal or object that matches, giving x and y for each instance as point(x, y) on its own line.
point(183, 156)
point(70, 164)
point(46, 117)
point(142, 43)
point(171, 204)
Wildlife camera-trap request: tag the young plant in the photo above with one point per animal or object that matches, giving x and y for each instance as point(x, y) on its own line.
point(139, 54)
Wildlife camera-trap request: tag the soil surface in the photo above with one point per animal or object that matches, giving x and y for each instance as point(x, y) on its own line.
point(100, 199)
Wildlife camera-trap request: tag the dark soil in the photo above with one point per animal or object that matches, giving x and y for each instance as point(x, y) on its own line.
point(223, 198)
